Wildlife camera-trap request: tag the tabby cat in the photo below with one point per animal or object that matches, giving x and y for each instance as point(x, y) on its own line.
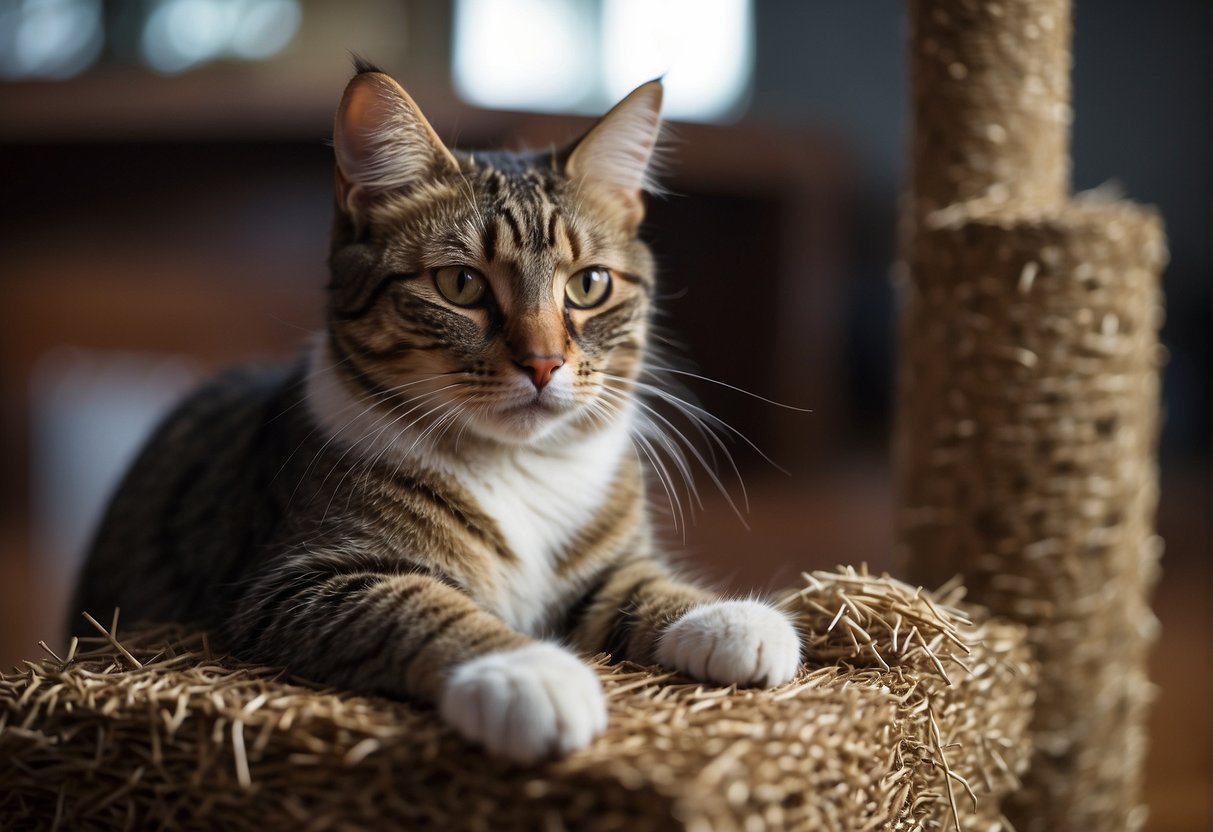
point(443, 501)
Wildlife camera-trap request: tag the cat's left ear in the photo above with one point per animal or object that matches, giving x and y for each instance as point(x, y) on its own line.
point(614, 159)
point(383, 142)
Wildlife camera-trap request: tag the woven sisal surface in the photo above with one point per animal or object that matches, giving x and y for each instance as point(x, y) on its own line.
point(864, 738)
point(1028, 424)
point(990, 91)
point(1029, 393)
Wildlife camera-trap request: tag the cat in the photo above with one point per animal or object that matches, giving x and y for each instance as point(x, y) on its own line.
point(442, 501)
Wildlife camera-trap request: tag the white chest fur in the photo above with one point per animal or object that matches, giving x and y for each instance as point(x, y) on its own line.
point(538, 496)
point(539, 499)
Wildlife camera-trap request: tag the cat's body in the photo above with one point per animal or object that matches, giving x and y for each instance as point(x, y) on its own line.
point(450, 477)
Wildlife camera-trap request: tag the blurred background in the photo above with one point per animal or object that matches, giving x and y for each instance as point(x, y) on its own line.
point(167, 192)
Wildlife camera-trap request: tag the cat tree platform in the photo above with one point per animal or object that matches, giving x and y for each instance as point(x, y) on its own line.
point(906, 715)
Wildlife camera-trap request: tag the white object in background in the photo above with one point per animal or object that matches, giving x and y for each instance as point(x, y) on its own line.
point(49, 38)
point(584, 55)
point(91, 411)
point(181, 34)
point(702, 49)
point(525, 54)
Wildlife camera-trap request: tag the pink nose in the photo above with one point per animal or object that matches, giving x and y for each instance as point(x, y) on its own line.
point(541, 368)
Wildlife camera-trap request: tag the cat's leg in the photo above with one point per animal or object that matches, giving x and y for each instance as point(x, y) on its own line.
point(640, 611)
point(414, 635)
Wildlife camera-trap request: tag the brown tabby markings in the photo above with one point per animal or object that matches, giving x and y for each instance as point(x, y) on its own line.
point(344, 564)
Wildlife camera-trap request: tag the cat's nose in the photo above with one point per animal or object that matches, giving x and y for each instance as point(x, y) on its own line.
point(541, 367)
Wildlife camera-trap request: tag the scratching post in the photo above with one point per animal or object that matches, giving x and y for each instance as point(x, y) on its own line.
point(1026, 435)
point(990, 90)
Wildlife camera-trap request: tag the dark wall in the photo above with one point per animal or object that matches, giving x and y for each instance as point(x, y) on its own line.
point(1143, 83)
point(839, 67)
point(1142, 102)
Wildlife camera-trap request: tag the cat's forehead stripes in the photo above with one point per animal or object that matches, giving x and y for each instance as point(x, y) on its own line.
point(522, 215)
point(524, 207)
point(500, 210)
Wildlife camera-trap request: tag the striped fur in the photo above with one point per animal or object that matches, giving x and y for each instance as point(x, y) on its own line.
point(416, 507)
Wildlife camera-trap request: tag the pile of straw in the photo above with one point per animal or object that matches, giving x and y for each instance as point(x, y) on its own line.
point(906, 716)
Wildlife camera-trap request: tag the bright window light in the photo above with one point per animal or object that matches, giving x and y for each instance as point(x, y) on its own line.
point(49, 38)
point(701, 47)
point(584, 55)
point(264, 29)
point(180, 34)
point(525, 54)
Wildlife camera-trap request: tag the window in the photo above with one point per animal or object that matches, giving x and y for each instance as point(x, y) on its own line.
point(583, 55)
point(57, 39)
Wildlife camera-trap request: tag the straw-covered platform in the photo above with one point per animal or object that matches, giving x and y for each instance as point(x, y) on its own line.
point(906, 715)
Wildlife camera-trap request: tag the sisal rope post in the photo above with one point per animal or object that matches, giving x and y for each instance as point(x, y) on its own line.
point(1028, 415)
point(990, 91)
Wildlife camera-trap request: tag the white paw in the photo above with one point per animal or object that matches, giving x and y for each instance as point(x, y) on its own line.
point(732, 642)
point(527, 703)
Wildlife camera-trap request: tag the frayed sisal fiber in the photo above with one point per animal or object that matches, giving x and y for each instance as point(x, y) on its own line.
point(907, 714)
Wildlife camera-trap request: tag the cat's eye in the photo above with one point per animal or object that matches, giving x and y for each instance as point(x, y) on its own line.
point(588, 288)
point(460, 285)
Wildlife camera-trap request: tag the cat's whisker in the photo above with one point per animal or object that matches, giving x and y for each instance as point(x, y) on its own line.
point(642, 446)
point(435, 426)
point(695, 452)
point(377, 398)
point(666, 480)
point(458, 414)
point(711, 438)
point(370, 400)
point(674, 453)
point(400, 432)
point(604, 409)
point(312, 372)
point(702, 426)
point(601, 413)
point(653, 370)
point(468, 418)
point(374, 461)
point(695, 412)
point(431, 427)
point(475, 407)
point(309, 374)
point(420, 401)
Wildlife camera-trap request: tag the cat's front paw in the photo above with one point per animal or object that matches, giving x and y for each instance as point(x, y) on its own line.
point(732, 642)
point(527, 703)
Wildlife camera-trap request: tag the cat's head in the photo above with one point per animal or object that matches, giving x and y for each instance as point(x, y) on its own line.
point(503, 294)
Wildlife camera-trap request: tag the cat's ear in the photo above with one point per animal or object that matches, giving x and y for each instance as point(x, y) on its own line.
point(382, 142)
point(615, 157)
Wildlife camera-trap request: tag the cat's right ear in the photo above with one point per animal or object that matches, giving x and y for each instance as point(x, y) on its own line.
point(383, 143)
point(615, 158)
